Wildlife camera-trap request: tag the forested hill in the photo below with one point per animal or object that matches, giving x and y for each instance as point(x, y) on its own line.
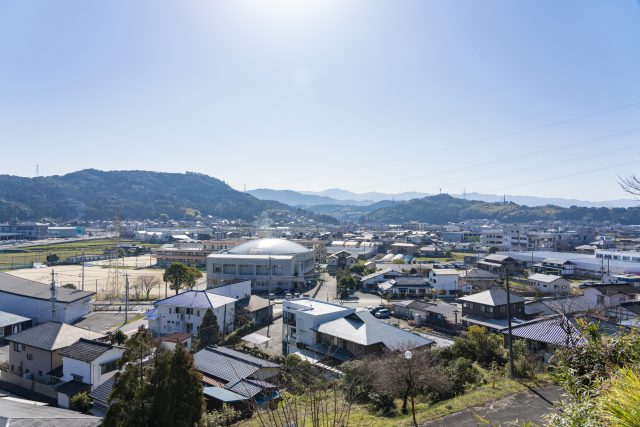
point(94, 194)
point(443, 208)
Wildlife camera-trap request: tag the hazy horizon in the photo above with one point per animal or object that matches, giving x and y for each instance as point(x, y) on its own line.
point(495, 97)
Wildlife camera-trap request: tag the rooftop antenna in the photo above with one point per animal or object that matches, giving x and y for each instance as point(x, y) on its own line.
point(53, 296)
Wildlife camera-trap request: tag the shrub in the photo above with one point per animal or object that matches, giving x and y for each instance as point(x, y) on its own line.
point(80, 402)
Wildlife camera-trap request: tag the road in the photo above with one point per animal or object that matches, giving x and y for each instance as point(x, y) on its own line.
point(528, 406)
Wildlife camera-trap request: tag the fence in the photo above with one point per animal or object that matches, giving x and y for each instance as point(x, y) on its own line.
point(30, 385)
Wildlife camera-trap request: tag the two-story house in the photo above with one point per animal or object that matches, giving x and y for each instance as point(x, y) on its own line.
point(85, 365)
point(610, 295)
point(550, 284)
point(184, 312)
point(35, 352)
point(446, 281)
point(339, 261)
point(489, 309)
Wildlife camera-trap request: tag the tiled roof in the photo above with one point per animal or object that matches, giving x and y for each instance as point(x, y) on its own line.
point(24, 287)
point(86, 350)
point(103, 391)
point(52, 336)
point(73, 387)
point(227, 364)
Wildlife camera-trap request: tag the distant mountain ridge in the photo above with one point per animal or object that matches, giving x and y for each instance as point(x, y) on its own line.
point(444, 208)
point(336, 196)
point(95, 194)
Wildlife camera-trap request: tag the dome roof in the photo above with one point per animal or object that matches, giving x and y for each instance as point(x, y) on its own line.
point(268, 247)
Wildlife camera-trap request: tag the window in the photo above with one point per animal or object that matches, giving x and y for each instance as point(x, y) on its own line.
point(77, 377)
point(23, 347)
point(108, 367)
point(39, 373)
point(488, 309)
point(16, 347)
point(29, 356)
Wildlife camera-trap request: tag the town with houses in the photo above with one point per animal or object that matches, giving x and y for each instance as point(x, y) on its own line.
point(328, 296)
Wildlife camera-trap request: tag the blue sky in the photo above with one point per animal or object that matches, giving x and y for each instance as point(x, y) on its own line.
point(515, 97)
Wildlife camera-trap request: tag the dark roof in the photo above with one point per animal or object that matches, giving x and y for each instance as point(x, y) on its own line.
point(223, 395)
point(410, 281)
point(103, 391)
point(73, 387)
point(25, 414)
point(632, 306)
point(249, 387)
point(52, 336)
point(479, 273)
point(29, 288)
point(86, 350)
point(559, 330)
point(613, 289)
point(176, 337)
point(227, 364)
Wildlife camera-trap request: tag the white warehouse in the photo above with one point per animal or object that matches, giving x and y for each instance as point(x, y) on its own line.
point(267, 263)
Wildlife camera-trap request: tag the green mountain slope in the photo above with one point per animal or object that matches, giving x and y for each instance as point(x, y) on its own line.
point(94, 194)
point(443, 208)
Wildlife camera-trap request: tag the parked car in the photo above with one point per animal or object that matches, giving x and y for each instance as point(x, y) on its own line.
point(383, 313)
point(288, 295)
point(297, 295)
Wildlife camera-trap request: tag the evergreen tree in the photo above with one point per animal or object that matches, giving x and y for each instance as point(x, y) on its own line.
point(157, 387)
point(209, 330)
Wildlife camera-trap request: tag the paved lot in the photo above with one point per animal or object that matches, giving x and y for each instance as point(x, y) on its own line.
point(527, 406)
point(104, 321)
point(272, 347)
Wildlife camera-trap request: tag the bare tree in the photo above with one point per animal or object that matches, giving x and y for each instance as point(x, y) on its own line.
point(144, 284)
point(630, 184)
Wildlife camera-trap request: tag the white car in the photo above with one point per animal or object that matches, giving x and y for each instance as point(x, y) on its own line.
point(288, 295)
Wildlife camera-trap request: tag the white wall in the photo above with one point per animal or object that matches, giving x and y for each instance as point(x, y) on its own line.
point(239, 290)
point(173, 322)
point(40, 310)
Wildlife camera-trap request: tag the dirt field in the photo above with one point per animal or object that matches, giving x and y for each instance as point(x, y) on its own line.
point(98, 277)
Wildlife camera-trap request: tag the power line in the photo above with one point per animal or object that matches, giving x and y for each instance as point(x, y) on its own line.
point(536, 153)
point(472, 142)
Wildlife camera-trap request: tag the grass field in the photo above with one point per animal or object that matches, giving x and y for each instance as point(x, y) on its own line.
point(425, 411)
point(21, 257)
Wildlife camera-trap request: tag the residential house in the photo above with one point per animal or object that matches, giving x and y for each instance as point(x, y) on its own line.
point(499, 263)
point(339, 261)
point(301, 318)
point(609, 295)
point(560, 267)
point(489, 308)
point(236, 378)
point(550, 284)
point(259, 310)
point(479, 279)
point(184, 312)
point(85, 365)
point(360, 334)
point(371, 281)
point(35, 352)
point(446, 281)
point(12, 324)
point(33, 300)
point(404, 248)
point(414, 286)
point(438, 314)
point(169, 342)
point(550, 333)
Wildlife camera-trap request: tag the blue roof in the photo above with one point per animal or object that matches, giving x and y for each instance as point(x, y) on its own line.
point(223, 395)
point(196, 299)
point(151, 314)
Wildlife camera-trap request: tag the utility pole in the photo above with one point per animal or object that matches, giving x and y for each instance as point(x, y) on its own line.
point(269, 297)
point(53, 296)
point(126, 297)
point(509, 336)
point(83, 269)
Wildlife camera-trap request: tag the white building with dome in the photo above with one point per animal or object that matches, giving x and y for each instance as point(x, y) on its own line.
point(281, 262)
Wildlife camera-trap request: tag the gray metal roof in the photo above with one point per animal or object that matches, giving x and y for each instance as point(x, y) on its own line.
point(86, 350)
point(249, 387)
point(8, 319)
point(492, 297)
point(363, 328)
point(52, 336)
point(23, 414)
point(196, 299)
point(28, 288)
point(227, 364)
